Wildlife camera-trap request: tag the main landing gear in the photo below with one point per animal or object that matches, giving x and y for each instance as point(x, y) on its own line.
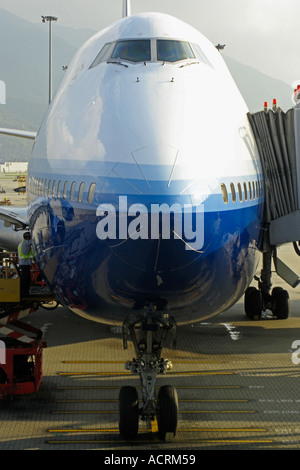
point(258, 300)
point(148, 330)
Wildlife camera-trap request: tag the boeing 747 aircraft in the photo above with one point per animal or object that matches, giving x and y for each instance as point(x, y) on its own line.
point(146, 193)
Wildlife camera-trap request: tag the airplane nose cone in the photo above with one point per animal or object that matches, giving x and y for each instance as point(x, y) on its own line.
point(149, 216)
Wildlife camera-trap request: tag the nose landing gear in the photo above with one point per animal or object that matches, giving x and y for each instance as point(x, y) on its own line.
point(148, 330)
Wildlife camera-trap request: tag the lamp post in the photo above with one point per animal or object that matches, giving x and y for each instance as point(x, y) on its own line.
point(50, 19)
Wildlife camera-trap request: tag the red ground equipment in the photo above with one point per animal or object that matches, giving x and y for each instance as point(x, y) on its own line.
point(21, 345)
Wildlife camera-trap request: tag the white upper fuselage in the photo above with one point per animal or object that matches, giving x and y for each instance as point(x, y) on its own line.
point(124, 120)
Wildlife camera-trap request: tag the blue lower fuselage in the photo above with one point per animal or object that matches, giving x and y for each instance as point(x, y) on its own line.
point(106, 279)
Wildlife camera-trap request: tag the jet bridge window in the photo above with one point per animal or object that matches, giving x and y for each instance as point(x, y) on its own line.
point(133, 50)
point(172, 51)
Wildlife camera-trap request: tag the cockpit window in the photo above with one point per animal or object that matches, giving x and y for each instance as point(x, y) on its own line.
point(103, 55)
point(133, 50)
point(200, 55)
point(173, 51)
point(147, 50)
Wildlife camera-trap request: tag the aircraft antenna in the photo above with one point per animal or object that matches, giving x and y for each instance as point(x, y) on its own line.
point(126, 8)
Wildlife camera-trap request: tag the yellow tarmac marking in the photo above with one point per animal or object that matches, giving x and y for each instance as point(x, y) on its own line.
point(80, 412)
point(181, 412)
point(123, 362)
point(221, 400)
point(154, 425)
point(117, 387)
point(92, 373)
point(129, 373)
point(217, 411)
point(109, 400)
point(93, 362)
point(154, 429)
point(177, 441)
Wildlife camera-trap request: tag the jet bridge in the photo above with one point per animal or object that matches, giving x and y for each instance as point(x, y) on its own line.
point(277, 136)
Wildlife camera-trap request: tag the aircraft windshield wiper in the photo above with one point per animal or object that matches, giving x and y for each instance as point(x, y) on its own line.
point(117, 61)
point(188, 63)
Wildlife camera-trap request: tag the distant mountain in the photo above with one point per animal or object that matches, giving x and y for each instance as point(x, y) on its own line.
point(24, 50)
point(257, 87)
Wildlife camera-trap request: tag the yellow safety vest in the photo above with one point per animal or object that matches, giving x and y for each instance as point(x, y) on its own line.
point(22, 255)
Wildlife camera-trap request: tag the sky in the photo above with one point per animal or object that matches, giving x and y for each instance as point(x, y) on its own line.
point(261, 33)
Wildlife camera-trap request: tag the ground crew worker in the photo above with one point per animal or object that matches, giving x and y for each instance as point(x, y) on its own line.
point(25, 260)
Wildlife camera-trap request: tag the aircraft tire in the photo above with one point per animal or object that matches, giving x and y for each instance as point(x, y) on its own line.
point(128, 412)
point(281, 303)
point(253, 303)
point(167, 418)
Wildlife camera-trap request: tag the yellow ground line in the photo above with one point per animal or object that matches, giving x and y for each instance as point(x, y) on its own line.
point(81, 412)
point(221, 400)
point(154, 429)
point(93, 362)
point(123, 362)
point(92, 373)
point(222, 430)
point(110, 400)
point(234, 441)
point(217, 411)
point(200, 373)
point(181, 411)
point(129, 373)
point(72, 431)
point(177, 441)
point(117, 387)
point(89, 387)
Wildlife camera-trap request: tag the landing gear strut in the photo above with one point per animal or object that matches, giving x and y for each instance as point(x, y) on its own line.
point(258, 300)
point(148, 330)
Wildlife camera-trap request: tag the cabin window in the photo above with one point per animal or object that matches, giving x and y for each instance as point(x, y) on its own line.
point(59, 189)
point(91, 193)
point(172, 51)
point(233, 193)
point(72, 190)
point(240, 192)
point(53, 188)
point(65, 190)
point(80, 192)
point(250, 190)
point(245, 191)
point(224, 193)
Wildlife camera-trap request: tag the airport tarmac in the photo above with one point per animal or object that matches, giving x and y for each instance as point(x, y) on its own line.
point(237, 382)
point(8, 183)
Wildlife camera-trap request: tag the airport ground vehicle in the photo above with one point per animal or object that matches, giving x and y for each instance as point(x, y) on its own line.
point(21, 345)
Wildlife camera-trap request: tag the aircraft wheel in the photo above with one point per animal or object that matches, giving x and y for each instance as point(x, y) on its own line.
point(253, 303)
point(167, 401)
point(129, 412)
point(281, 303)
